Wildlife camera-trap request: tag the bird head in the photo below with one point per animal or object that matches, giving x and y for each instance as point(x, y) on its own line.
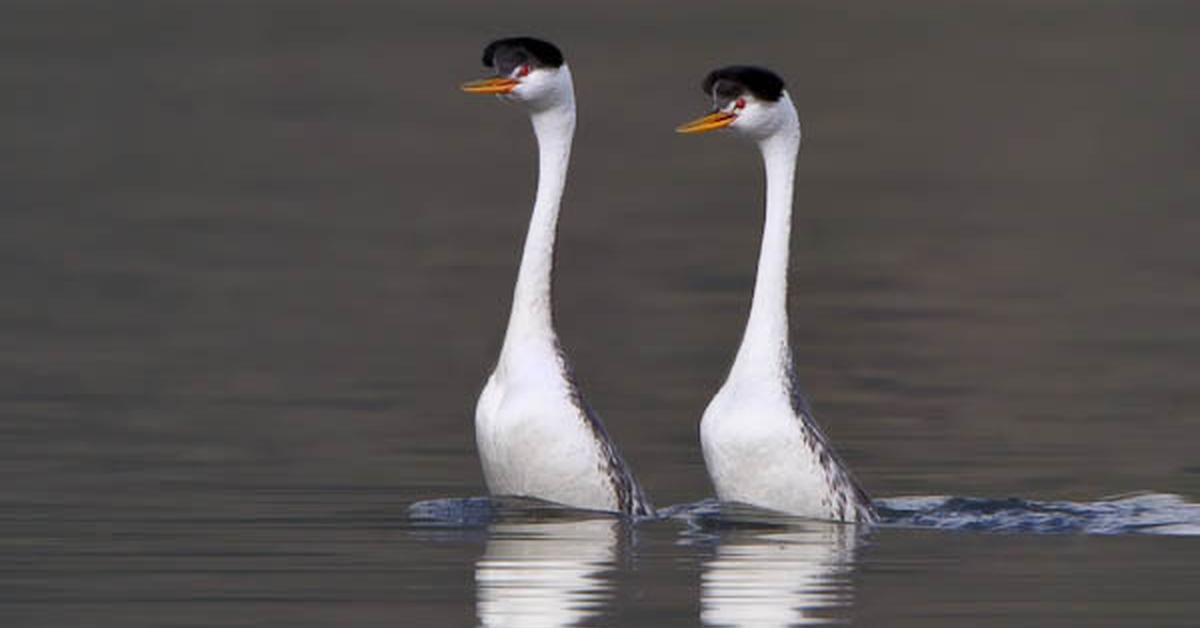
point(748, 100)
point(528, 71)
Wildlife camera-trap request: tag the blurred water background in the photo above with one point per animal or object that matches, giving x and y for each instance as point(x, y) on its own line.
point(257, 257)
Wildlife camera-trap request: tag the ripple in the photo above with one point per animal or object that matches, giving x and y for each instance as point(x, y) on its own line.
point(1145, 513)
point(1142, 513)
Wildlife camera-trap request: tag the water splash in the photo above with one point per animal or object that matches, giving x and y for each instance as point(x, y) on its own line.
point(481, 512)
point(454, 512)
point(1145, 513)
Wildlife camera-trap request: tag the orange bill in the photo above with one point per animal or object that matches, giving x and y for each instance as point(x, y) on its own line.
point(711, 122)
point(498, 85)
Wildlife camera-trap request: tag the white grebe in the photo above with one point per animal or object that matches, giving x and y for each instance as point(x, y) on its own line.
point(536, 435)
point(761, 445)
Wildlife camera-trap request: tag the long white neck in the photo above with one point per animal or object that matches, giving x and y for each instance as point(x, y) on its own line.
point(764, 354)
point(530, 325)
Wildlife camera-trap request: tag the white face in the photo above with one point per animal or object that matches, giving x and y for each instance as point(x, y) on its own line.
point(541, 88)
point(760, 119)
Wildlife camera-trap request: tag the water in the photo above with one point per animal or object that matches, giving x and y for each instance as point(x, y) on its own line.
point(1146, 513)
point(257, 256)
point(547, 565)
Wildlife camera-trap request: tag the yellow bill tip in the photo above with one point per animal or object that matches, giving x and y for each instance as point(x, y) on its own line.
point(710, 122)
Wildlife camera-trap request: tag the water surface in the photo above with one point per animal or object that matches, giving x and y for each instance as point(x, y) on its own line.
point(257, 257)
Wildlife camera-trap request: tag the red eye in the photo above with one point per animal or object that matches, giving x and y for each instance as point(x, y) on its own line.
point(741, 102)
point(523, 71)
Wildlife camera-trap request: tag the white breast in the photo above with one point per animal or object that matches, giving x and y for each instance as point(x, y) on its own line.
point(757, 453)
point(533, 441)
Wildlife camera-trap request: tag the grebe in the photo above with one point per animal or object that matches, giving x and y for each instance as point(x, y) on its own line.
point(761, 444)
point(536, 435)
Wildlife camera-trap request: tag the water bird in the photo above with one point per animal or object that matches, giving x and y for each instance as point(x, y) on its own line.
point(761, 444)
point(536, 435)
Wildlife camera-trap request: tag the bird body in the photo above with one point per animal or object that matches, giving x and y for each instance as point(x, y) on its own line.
point(761, 444)
point(759, 450)
point(536, 435)
point(537, 439)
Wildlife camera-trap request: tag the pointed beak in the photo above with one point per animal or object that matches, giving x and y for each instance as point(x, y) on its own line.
point(711, 122)
point(498, 85)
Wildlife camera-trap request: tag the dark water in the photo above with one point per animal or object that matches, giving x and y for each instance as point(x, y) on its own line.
point(257, 256)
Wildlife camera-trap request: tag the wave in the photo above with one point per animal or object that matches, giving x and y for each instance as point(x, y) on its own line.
point(1143, 513)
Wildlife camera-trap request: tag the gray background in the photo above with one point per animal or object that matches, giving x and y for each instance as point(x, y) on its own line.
point(257, 258)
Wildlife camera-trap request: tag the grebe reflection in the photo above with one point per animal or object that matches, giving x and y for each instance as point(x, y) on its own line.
point(546, 573)
point(784, 577)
